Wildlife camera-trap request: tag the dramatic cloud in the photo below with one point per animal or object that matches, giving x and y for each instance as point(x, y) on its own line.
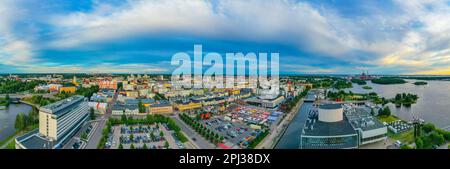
point(393, 36)
point(13, 50)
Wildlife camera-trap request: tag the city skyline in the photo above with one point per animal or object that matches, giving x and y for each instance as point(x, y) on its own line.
point(312, 37)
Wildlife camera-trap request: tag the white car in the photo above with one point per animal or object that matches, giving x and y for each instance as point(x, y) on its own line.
point(398, 143)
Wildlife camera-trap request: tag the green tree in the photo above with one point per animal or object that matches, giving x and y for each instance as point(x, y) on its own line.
point(428, 127)
point(419, 143)
point(84, 136)
point(120, 146)
point(123, 118)
point(161, 134)
point(437, 138)
point(405, 146)
point(166, 144)
point(152, 136)
point(20, 121)
point(145, 146)
point(7, 97)
point(132, 146)
point(92, 114)
point(141, 107)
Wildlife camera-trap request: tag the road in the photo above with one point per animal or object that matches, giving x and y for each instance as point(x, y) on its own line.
point(201, 142)
point(97, 135)
point(76, 137)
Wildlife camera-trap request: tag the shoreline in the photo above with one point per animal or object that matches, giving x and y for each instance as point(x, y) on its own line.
point(274, 137)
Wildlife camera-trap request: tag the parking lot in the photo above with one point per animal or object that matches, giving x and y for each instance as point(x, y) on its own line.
point(252, 115)
point(153, 136)
point(236, 133)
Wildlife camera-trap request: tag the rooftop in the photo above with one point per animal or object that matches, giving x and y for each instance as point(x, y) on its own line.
point(162, 103)
point(63, 106)
point(131, 101)
point(361, 118)
point(318, 128)
point(32, 140)
point(330, 106)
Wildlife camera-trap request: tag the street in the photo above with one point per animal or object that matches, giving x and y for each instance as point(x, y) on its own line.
point(97, 135)
point(201, 142)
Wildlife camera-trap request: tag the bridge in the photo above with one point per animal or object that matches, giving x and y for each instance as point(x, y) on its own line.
point(15, 96)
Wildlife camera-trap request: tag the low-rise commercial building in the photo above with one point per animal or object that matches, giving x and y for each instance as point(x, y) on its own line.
point(182, 106)
point(71, 89)
point(161, 107)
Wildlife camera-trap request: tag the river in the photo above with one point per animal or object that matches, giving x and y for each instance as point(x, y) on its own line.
point(432, 106)
point(291, 137)
point(8, 117)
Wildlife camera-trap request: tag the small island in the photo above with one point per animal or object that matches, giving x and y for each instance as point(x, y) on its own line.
point(420, 83)
point(388, 80)
point(359, 81)
point(367, 87)
point(404, 99)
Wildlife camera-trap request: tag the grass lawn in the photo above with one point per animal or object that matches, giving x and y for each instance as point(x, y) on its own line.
point(11, 145)
point(17, 133)
point(388, 119)
point(404, 137)
point(8, 138)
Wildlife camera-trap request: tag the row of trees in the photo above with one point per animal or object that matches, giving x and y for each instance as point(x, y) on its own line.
point(26, 122)
point(166, 145)
point(159, 96)
point(291, 104)
point(258, 139)
point(202, 129)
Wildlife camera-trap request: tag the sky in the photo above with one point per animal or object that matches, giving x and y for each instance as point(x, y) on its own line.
point(141, 36)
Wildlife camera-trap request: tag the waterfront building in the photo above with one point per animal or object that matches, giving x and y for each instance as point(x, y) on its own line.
point(336, 126)
point(58, 122)
point(369, 128)
point(327, 128)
